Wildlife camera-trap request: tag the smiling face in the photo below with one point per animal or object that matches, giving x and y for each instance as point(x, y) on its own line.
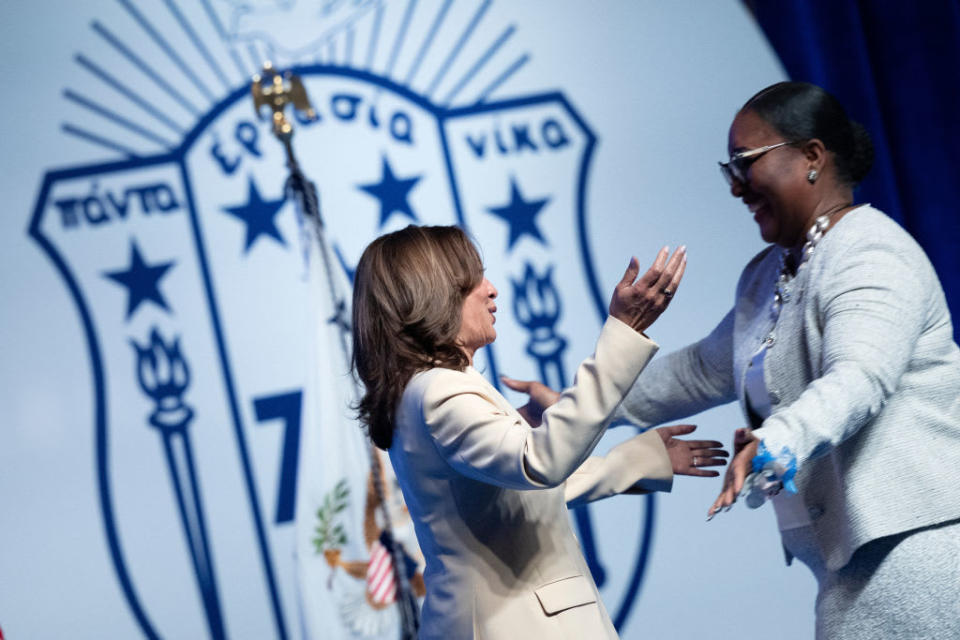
point(477, 318)
point(776, 189)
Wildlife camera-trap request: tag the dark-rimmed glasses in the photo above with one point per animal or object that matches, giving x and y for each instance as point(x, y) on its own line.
point(738, 164)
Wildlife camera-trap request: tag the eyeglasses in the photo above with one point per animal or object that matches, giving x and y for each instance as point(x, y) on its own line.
point(736, 168)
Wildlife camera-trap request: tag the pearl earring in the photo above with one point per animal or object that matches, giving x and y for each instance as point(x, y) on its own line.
point(812, 176)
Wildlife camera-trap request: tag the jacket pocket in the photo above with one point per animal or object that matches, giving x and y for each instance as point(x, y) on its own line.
point(565, 593)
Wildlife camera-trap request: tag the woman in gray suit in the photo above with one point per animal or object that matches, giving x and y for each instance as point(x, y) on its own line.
point(840, 350)
point(487, 488)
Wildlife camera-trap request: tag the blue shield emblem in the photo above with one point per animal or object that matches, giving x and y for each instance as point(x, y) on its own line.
point(199, 291)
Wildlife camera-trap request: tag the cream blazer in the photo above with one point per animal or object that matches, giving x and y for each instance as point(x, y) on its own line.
point(488, 494)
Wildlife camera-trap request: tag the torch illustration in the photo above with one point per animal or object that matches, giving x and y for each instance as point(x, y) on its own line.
point(537, 307)
point(164, 377)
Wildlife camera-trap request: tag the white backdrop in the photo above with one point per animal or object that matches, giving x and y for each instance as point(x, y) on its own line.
point(567, 136)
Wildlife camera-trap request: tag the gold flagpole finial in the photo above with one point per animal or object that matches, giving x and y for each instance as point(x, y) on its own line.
point(276, 90)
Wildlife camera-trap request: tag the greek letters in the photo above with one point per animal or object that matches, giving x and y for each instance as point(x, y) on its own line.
point(344, 106)
point(401, 128)
point(247, 136)
point(547, 135)
point(112, 206)
point(554, 135)
point(349, 107)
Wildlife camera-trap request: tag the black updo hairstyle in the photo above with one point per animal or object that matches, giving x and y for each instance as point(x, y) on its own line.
point(801, 111)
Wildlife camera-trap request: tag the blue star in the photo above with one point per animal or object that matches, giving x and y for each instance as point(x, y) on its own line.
point(392, 193)
point(521, 215)
point(141, 280)
point(259, 216)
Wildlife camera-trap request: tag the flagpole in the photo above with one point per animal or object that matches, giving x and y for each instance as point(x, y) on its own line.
point(277, 90)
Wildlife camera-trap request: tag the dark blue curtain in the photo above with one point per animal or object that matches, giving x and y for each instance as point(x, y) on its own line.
point(895, 66)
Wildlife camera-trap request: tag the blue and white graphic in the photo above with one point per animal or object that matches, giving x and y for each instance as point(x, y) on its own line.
point(382, 155)
point(226, 490)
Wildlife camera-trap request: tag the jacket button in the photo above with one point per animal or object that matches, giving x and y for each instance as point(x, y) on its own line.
point(770, 340)
point(774, 398)
point(815, 512)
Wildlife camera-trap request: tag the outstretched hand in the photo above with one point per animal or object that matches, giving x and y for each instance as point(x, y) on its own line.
point(640, 303)
point(688, 457)
point(541, 397)
point(745, 446)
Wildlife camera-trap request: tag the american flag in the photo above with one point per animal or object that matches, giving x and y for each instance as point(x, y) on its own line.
point(380, 582)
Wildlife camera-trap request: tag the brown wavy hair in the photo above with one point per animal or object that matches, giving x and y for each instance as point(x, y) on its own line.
point(408, 296)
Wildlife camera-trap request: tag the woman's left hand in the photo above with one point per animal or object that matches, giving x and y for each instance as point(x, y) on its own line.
point(744, 450)
point(688, 457)
point(638, 302)
point(541, 397)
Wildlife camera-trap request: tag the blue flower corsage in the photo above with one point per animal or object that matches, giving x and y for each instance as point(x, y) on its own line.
point(771, 473)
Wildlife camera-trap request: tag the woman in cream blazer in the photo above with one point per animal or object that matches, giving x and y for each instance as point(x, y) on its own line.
point(487, 490)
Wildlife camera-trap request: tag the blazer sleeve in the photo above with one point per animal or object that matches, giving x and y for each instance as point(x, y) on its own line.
point(872, 300)
point(477, 437)
point(684, 382)
point(639, 465)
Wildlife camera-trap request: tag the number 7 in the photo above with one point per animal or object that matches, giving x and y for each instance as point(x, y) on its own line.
point(287, 407)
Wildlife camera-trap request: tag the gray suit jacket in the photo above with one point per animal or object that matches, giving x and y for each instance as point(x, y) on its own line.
point(863, 376)
point(488, 495)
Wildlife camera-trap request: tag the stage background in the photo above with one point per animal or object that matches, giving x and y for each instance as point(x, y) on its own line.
point(129, 100)
point(887, 62)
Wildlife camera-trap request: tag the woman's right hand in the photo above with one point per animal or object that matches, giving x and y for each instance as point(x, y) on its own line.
point(640, 303)
point(688, 457)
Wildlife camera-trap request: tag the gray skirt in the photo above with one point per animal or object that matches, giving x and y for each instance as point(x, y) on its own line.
point(898, 587)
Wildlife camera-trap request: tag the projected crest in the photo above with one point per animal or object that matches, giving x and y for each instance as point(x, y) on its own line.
point(221, 394)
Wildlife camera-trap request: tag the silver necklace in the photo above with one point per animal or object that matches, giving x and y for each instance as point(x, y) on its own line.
point(814, 235)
